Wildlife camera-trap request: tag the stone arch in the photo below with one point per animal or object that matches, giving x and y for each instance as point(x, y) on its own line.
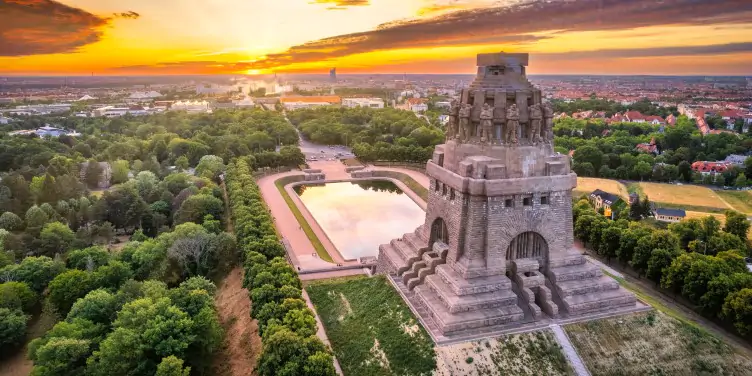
point(528, 244)
point(439, 231)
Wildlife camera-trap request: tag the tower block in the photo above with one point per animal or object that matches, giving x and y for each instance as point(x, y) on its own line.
point(496, 247)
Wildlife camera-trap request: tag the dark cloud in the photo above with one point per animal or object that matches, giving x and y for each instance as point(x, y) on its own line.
point(715, 49)
point(341, 4)
point(129, 14)
point(517, 23)
point(31, 27)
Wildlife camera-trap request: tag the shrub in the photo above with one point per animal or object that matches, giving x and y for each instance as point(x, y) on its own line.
point(17, 295)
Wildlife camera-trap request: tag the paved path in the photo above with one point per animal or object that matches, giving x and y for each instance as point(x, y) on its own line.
point(569, 351)
point(320, 332)
point(288, 225)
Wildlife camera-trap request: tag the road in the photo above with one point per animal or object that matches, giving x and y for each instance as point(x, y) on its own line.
point(320, 152)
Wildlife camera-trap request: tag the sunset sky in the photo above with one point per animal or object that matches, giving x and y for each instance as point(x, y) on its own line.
point(119, 37)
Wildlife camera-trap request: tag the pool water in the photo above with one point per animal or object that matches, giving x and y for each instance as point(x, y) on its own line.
point(358, 216)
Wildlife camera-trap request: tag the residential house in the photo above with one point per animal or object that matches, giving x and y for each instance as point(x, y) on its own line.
point(669, 215)
point(603, 200)
point(363, 102)
point(417, 105)
point(648, 147)
point(191, 106)
point(736, 159)
point(297, 102)
point(705, 167)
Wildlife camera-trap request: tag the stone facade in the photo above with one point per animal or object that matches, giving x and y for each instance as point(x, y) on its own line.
point(496, 248)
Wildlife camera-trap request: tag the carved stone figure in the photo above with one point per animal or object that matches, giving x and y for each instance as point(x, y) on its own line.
point(451, 127)
point(548, 122)
point(536, 117)
point(464, 115)
point(486, 122)
point(513, 122)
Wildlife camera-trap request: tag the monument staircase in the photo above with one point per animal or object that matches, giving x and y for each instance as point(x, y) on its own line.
point(579, 287)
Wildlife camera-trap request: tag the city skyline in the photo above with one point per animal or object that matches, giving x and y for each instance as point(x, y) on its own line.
point(140, 37)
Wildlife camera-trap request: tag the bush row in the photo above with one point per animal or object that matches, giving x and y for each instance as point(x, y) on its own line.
point(287, 326)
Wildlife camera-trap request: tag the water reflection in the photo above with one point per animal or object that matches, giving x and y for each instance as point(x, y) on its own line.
point(358, 216)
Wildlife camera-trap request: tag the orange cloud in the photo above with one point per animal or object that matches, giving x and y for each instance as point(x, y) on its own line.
point(31, 27)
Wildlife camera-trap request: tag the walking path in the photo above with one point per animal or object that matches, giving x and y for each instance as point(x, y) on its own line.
point(569, 351)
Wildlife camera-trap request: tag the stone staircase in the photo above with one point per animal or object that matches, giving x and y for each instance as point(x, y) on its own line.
point(581, 288)
point(403, 253)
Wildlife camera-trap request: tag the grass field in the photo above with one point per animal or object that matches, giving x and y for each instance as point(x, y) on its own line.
point(740, 200)
point(587, 185)
point(371, 330)
point(528, 354)
point(686, 195)
point(320, 249)
point(414, 186)
point(653, 343)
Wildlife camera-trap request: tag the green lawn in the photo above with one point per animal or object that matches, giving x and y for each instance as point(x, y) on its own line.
point(320, 250)
point(740, 200)
point(653, 343)
point(371, 330)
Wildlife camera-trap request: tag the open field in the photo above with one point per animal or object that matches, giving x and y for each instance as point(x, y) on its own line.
point(528, 354)
point(719, 217)
point(320, 249)
point(371, 330)
point(740, 200)
point(587, 185)
point(687, 195)
point(653, 343)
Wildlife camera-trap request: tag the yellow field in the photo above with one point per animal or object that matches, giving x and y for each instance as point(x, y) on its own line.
point(587, 185)
point(740, 200)
point(720, 217)
point(682, 195)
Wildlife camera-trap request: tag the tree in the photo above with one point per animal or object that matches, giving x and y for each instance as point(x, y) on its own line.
point(68, 287)
point(643, 170)
point(88, 258)
point(196, 207)
point(182, 163)
point(172, 366)
point(674, 276)
point(120, 170)
point(710, 227)
point(589, 154)
point(736, 223)
point(55, 238)
point(98, 306)
point(36, 272)
point(93, 174)
point(738, 309)
point(17, 295)
point(660, 259)
point(10, 221)
point(700, 273)
point(741, 181)
point(12, 328)
point(210, 167)
point(112, 275)
point(61, 356)
point(212, 225)
point(285, 350)
point(659, 239)
point(36, 217)
point(720, 287)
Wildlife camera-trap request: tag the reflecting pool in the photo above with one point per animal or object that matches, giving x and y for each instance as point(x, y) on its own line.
point(358, 216)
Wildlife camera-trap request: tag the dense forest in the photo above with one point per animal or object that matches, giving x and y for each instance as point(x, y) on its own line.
point(117, 235)
point(695, 258)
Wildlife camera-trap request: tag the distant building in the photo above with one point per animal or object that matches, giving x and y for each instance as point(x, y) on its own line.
point(603, 200)
point(705, 167)
point(669, 215)
point(191, 106)
point(45, 131)
point(363, 102)
point(142, 96)
point(443, 104)
point(333, 75)
point(4, 120)
point(112, 111)
point(41, 109)
point(736, 159)
point(298, 102)
point(648, 147)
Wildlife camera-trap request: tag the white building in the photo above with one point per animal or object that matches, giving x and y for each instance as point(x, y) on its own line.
point(363, 102)
point(443, 104)
point(418, 107)
point(4, 120)
point(191, 106)
point(112, 111)
point(142, 96)
point(245, 102)
point(215, 89)
point(41, 109)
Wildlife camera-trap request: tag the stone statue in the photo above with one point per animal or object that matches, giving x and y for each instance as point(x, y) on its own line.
point(513, 122)
point(536, 117)
point(451, 127)
point(548, 122)
point(464, 124)
point(486, 122)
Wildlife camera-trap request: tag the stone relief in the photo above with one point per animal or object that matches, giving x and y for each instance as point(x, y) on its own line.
point(536, 117)
point(451, 127)
point(513, 122)
point(486, 122)
point(464, 124)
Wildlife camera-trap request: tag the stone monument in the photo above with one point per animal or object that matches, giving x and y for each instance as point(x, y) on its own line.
point(496, 248)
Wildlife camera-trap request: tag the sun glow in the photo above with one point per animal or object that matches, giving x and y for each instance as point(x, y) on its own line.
point(253, 72)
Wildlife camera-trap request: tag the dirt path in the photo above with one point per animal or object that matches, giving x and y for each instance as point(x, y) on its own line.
point(18, 364)
point(238, 355)
point(229, 226)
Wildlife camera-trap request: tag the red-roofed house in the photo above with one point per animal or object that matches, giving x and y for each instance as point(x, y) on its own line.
point(655, 120)
point(634, 117)
point(671, 119)
point(705, 167)
point(649, 147)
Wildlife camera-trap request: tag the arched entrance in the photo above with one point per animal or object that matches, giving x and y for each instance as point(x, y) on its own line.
point(439, 232)
point(527, 245)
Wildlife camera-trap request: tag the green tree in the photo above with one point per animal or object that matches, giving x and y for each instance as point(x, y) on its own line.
point(285, 350)
point(172, 366)
point(720, 287)
point(643, 170)
point(112, 275)
point(12, 328)
point(659, 239)
point(700, 273)
point(93, 174)
point(710, 227)
point(738, 309)
point(182, 163)
point(36, 217)
point(68, 287)
point(196, 207)
point(210, 167)
point(55, 238)
point(36, 272)
point(10, 221)
point(98, 306)
point(61, 356)
point(736, 223)
point(88, 258)
point(741, 181)
point(120, 170)
point(659, 260)
point(17, 295)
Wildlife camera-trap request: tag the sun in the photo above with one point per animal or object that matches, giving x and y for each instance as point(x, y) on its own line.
point(253, 71)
